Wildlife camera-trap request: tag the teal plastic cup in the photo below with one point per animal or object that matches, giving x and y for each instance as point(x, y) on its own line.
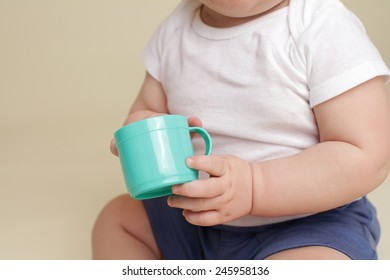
point(153, 154)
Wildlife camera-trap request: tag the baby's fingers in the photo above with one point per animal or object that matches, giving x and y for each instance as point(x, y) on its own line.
point(113, 148)
point(194, 204)
point(206, 188)
point(213, 165)
point(204, 218)
point(194, 121)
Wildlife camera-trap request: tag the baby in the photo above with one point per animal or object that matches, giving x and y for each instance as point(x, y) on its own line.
point(293, 95)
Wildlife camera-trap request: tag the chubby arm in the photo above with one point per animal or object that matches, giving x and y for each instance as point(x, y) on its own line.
point(151, 101)
point(351, 160)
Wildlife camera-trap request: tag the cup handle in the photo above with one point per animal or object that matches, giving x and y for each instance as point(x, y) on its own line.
point(206, 137)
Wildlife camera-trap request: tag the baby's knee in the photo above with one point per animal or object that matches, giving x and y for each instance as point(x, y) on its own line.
point(114, 209)
point(109, 216)
point(120, 212)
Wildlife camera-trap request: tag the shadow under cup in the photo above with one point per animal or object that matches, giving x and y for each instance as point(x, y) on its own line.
point(153, 153)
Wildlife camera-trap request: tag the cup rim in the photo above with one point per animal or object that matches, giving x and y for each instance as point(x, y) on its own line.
point(147, 125)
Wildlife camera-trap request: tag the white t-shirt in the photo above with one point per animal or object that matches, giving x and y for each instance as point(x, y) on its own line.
point(254, 85)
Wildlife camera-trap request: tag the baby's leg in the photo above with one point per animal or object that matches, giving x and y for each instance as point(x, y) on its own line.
point(123, 231)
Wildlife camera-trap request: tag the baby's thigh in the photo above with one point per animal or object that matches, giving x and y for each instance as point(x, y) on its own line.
point(124, 225)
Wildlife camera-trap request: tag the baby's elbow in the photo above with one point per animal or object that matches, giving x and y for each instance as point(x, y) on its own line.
point(381, 167)
point(386, 167)
point(383, 172)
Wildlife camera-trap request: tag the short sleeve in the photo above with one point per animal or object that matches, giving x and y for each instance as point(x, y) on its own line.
point(153, 52)
point(337, 52)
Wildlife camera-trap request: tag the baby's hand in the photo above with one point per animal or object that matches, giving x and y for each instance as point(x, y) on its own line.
point(225, 196)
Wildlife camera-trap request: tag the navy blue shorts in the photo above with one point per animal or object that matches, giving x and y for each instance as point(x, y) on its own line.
point(352, 229)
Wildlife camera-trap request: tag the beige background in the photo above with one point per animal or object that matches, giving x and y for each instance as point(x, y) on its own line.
point(69, 71)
